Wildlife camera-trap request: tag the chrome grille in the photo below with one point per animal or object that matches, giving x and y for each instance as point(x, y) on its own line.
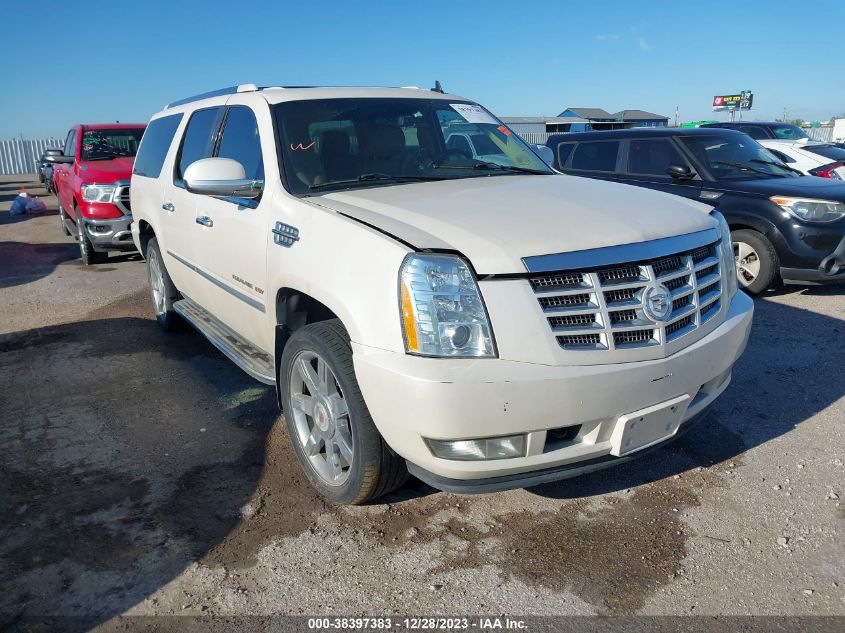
point(602, 309)
point(121, 197)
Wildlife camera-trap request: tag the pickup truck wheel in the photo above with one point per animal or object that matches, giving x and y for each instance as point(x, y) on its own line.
point(86, 250)
point(63, 219)
point(757, 264)
point(162, 289)
point(336, 441)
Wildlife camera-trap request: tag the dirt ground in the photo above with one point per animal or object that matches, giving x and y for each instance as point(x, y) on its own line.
point(143, 473)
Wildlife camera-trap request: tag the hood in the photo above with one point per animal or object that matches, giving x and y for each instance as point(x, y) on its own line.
point(809, 186)
point(496, 221)
point(106, 171)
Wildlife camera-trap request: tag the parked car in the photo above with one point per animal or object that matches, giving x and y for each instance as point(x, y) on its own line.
point(812, 158)
point(45, 168)
point(784, 226)
point(92, 184)
point(481, 325)
point(759, 130)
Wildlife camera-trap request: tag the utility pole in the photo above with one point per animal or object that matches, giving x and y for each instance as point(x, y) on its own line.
point(677, 116)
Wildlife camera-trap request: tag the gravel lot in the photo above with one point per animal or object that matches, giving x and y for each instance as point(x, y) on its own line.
point(143, 473)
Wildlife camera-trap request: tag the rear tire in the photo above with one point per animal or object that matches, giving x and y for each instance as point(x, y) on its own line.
point(757, 263)
point(63, 219)
point(337, 444)
point(163, 291)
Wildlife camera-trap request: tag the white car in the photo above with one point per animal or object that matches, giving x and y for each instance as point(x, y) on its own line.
point(479, 326)
point(813, 158)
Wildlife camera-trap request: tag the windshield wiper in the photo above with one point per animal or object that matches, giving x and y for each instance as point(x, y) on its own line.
point(743, 167)
point(775, 164)
point(496, 166)
point(376, 177)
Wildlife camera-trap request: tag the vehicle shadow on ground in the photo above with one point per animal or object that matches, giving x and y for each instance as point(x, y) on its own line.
point(790, 371)
point(150, 451)
point(24, 262)
point(129, 453)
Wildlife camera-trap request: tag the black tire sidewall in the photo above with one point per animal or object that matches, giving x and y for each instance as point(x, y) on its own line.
point(769, 263)
point(169, 320)
point(366, 441)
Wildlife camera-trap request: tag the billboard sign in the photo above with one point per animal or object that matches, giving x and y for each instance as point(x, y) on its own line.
point(740, 101)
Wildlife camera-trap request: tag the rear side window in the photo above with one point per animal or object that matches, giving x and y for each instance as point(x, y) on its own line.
point(828, 151)
point(596, 156)
point(459, 144)
point(754, 132)
point(564, 151)
point(154, 145)
point(199, 138)
point(240, 141)
point(652, 156)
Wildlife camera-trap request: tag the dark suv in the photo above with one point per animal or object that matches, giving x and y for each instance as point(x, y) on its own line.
point(784, 226)
point(764, 130)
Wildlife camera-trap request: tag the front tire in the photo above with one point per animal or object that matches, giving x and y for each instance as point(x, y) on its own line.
point(87, 253)
point(757, 263)
point(162, 289)
point(337, 443)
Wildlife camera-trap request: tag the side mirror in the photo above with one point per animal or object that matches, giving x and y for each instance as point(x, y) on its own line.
point(60, 158)
point(221, 177)
point(546, 154)
point(53, 152)
point(680, 172)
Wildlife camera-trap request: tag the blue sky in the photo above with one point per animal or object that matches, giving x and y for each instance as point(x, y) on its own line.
point(124, 61)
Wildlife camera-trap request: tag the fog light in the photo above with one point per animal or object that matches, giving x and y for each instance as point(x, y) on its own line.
point(102, 228)
point(482, 448)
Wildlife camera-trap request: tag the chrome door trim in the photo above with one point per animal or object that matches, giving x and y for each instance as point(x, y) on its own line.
point(621, 254)
point(232, 291)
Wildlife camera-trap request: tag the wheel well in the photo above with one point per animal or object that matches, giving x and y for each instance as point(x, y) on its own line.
point(145, 233)
point(295, 309)
point(738, 226)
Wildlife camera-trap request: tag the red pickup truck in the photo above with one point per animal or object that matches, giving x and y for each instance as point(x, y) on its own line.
point(92, 184)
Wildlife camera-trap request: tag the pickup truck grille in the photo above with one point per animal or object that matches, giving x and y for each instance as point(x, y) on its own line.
point(121, 198)
point(604, 309)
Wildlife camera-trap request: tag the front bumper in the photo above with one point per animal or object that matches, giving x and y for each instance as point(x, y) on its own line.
point(113, 234)
point(831, 269)
point(412, 398)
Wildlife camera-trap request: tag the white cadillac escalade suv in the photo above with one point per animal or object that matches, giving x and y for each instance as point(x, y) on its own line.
point(480, 324)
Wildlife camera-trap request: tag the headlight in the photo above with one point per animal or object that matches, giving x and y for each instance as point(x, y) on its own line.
point(441, 308)
point(97, 193)
point(811, 210)
point(728, 260)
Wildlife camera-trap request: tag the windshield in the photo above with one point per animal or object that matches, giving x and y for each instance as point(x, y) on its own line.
point(330, 144)
point(789, 132)
point(735, 158)
point(828, 151)
point(107, 144)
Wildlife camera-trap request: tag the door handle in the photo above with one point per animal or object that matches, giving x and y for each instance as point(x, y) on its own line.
point(168, 206)
point(205, 220)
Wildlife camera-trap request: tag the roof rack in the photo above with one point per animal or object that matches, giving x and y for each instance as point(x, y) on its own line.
point(214, 93)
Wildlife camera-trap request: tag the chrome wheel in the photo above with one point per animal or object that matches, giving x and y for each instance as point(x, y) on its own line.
point(321, 418)
point(157, 283)
point(747, 263)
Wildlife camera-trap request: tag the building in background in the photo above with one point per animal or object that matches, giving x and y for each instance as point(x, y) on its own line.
point(584, 120)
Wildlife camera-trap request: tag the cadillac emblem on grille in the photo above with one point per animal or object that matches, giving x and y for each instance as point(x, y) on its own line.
point(657, 302)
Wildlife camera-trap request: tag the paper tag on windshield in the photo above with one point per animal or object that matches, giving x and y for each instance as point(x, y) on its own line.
point(473, 113)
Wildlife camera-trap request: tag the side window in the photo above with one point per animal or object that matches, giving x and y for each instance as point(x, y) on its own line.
point(781, 156)
point(459, 144)
point(198, 141)
point(154, 145)
point(754, 132)
point(564, 151)
point(596, 156)
point(652, 156)
point(240, 141)
point(70, 144)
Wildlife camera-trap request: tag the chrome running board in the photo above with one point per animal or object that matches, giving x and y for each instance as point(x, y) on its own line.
point(244, 354)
